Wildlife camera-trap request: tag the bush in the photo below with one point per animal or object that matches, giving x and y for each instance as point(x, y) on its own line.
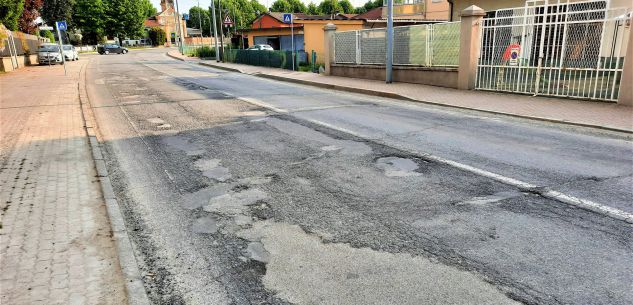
point(48, 34)
point(204, 52)
point(158, 36)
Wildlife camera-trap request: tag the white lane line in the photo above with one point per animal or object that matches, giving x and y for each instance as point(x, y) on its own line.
point(525, 186)
point(551, 194)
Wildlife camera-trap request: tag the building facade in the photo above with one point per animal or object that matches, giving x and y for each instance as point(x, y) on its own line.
point(166, 20)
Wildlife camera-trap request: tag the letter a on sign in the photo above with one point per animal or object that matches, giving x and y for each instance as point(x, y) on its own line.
point(287, 18)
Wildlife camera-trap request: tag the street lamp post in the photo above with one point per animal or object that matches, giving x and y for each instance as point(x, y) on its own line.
point(389, 59)
point(179, 28)
point(215, 32)
point(200, 19)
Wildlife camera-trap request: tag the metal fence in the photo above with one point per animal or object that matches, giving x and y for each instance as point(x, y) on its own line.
point(556, 48)
point(426, 45)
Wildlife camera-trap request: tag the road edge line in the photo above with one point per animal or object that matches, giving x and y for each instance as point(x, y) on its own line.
point(135, 289)
point(584, 204)
point(410, 99)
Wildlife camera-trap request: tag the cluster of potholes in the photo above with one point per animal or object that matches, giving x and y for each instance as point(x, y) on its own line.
point(241, 207)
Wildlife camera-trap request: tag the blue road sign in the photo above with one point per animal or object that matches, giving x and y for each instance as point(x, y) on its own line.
point(185, 16)
point(61, 25)
point(287, 18)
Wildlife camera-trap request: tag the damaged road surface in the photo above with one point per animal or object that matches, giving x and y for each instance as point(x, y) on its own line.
point(229, 202)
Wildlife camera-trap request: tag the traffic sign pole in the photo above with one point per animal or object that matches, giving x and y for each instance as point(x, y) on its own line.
point(61, 48)
point(289, 18)
point(215, 32)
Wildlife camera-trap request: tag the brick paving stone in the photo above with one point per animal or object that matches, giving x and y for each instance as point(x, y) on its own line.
point(55, 243)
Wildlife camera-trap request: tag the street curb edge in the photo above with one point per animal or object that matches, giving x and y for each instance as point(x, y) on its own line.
point(404, 97)
point(136, 293)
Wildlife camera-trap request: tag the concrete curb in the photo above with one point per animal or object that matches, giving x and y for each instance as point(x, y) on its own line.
point(404, 97)
point(136, 294)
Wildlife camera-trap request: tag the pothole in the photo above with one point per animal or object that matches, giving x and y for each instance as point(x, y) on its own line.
point(397, 167)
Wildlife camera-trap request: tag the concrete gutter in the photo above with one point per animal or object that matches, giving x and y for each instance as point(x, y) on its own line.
point(627, 132)
point(136, 294)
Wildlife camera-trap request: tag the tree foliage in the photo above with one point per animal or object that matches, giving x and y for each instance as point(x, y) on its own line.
point(313, 9)
point(242, 12)
point(57, 10)
point(148, 8)
point(346, 7)
point(124, 18)
point(89, 16)
point(10, 11)
point(31, 11)
point(198, 14)
point(48, 34)
point(158, 36)
point(288, 6)
point(329, 7)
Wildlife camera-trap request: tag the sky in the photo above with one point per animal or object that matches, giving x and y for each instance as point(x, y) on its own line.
point(185, 5)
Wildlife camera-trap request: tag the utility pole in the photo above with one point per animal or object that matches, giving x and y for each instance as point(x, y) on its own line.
point(389, 59)
point(215, 32)
point(176, 27)
point(221, 32)
point(180, 29)
point(200, 19)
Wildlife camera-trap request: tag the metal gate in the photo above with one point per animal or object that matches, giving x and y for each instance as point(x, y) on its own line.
point(555, 48)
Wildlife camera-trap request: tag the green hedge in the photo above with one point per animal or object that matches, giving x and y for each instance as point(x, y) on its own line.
point(273, 59)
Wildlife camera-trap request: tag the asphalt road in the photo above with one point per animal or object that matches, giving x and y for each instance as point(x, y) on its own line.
point(243, 190)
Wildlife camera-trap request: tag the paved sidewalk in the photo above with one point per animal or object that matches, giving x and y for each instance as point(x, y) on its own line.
point(56, 245)
point(584, 113)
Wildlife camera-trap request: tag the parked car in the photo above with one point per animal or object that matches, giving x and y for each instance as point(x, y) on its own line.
point(261, 47)
point(70, 53)
point(48, 53)
point(111, 48)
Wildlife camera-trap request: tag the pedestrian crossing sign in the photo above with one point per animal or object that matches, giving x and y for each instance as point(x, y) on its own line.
point(287, 18)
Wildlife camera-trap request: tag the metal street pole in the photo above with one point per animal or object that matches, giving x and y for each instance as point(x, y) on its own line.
point(180, 29)
point(215, 32)
point(61, 48)
point(292, 39)
point(221, 32)
point(200, 19)
point(176, 27)
point(389, 59)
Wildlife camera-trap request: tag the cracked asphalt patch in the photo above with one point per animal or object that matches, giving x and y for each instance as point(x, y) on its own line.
point(309, 215)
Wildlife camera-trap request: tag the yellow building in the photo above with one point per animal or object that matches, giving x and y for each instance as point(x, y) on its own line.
point(166, 20)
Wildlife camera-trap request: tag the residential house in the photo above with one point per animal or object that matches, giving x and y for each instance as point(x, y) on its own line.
point(456, 6)
point(166, 20)
point(408, 12)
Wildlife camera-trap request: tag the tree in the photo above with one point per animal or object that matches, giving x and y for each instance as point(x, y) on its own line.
point(31, 11)
point(313, 9)
point(57, 10)
point(346, 7)
point(370, 5)
point(158, 36)
point(148, 8)
point(89, 16)
point(288, 6)
point(329, 7)
point(10, 12)
point(243, 12)
point(197, 14)
point(281, 6)
point(48, 34)
point(124, 18)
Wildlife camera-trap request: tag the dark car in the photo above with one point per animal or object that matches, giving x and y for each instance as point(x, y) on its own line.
point(111, 48)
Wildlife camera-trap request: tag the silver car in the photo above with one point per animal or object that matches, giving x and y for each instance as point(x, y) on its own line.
point(48, 53)
point(261, 47)
point(70, 52)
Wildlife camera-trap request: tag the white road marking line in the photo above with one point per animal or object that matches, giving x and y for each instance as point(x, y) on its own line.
point(551, 194)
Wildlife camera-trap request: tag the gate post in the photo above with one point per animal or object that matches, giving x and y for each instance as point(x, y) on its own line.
point(329, 30)
point(469, 45)
point(626, 90)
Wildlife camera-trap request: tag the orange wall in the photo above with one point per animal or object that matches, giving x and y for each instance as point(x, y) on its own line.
point(266, 22)
point(313, 35)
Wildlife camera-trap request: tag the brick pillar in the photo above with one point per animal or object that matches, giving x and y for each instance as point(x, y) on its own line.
point(626, 90)
point(471, 19)
point(329, 30)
